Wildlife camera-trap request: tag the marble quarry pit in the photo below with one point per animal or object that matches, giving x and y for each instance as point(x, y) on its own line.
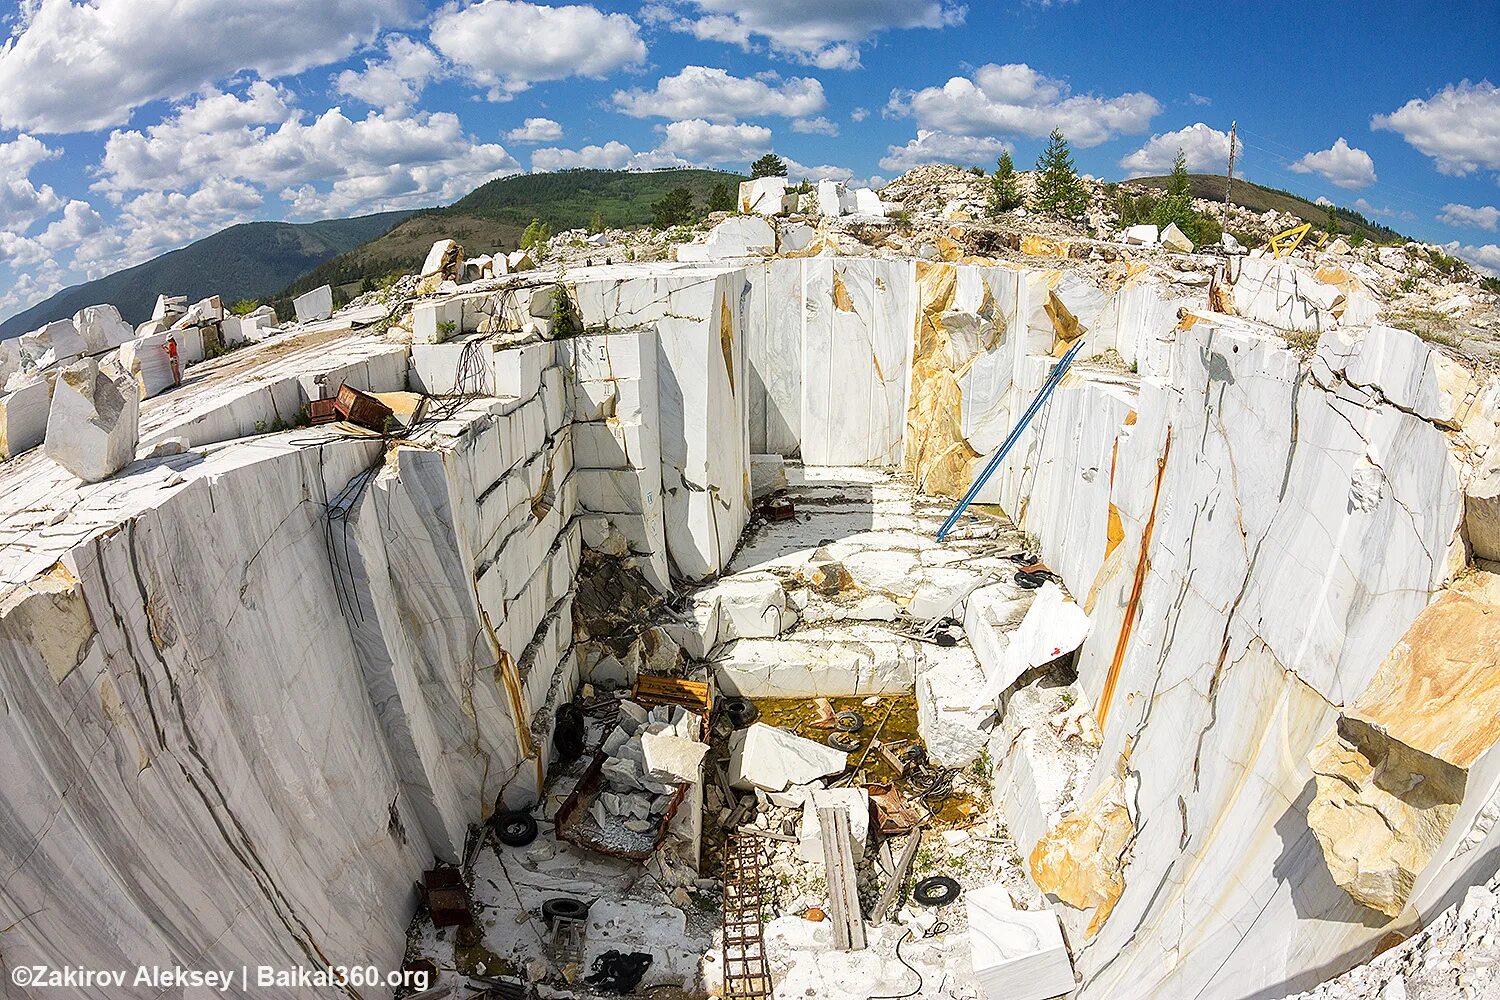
point(258, 674)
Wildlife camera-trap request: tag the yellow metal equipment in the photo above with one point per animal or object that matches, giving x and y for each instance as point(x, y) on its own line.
point(1283, 244)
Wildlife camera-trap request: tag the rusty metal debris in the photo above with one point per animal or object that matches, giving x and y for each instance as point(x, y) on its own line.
point(746, 974)
point(447, 898)
point(361, 408)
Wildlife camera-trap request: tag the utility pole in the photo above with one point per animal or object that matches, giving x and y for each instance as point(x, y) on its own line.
point(1229, 182)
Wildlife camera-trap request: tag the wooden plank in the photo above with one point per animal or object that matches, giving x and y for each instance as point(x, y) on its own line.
point(843, 888)
point(893, 887)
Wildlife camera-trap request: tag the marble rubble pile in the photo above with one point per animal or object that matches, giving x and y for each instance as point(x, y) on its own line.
point(649, 755)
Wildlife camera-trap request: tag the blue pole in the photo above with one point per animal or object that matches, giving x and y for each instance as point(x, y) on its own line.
point(1050, 383)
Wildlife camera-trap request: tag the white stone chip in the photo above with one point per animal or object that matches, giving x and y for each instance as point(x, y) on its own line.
point(672, 758)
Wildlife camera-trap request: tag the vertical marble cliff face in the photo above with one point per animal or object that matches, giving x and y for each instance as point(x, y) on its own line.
point(174, 757)
point(1252, 539)
point(261, 686)
point(700, 316)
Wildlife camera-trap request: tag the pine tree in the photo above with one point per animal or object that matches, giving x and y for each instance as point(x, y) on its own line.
point(1179, 184)
point(535, 237)
point(721, 198)
point(1005, 189)
point(596, 224)
point(674, 209)
point(769, 165)
point(1059, 189)
point(1175, 208)
point(1332, 222)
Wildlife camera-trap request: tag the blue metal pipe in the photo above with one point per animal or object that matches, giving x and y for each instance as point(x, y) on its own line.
point(1053, 378)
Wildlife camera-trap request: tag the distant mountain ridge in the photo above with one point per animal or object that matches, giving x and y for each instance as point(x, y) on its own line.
point(252, 260)
point(492, 217)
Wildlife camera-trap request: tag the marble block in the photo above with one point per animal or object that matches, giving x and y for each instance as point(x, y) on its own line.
point(23, 416)
point(314, 305)
point(770, 759)
point(94, 422)
point(1016, 954)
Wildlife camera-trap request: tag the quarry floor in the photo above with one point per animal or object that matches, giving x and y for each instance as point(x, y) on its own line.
point(860, 642)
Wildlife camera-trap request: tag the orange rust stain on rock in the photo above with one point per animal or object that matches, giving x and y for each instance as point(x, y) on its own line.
point(726, 338)
point(1438, 691)
point(1133, 605)
point(939, 456)
point(1082, 859)
point(842, 301)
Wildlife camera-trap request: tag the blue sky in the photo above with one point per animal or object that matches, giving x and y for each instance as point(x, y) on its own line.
point(130, 127)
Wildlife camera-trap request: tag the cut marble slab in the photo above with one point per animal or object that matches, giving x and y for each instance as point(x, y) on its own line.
point(770, 758)
point(1015, 954)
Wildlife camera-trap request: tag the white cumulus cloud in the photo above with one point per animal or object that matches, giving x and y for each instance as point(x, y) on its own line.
point(393, 82)
point(941, 147)
point(613, 155)
point(22, 203)
point(1341, 165)
point(827, 35)
point(1485, 257)
point(1476, 216)
point(711, 93)
point(700, 141)
point(326, 165)
point(506, 46)
point(78, 67)
point(1459, 126)
point(1205, 149)
point(1015, 99)
point(815, 126)
point(536, 130)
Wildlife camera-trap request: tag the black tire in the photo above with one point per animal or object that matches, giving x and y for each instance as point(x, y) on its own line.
point(946, 638)
point(849, 722)
point(939, 890)
point(564, 906)
point(846, 742)
point(514, 829)
point(1029, 581)
point(740, 712)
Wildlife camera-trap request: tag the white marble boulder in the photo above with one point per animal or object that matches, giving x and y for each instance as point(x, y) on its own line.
point(763, 196)
point(737, 236)
point(1016, 954)
point(101, 328)
point(23, 415)
point(832, 198)
point(770, 759)
point(57, 343)
point(314, 305)
point(94, 423)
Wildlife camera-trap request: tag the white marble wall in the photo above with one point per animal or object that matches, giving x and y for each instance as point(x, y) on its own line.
point(1299, 528)
point(192, 771)
point(859, 314)
point(703, 388)
point(616, 434)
